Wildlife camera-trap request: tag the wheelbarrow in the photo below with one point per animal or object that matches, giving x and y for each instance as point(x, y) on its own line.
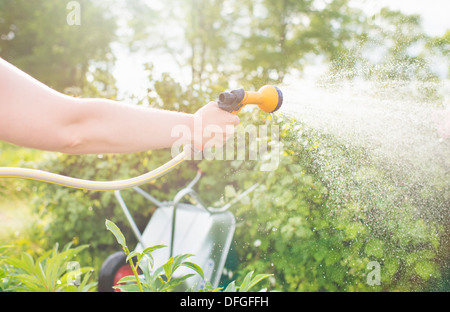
point(185, 228)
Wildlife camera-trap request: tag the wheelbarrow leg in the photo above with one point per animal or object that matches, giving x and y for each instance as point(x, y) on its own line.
point(125, 210)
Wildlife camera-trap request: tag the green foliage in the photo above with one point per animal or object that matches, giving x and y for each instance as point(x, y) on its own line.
point(117, 233)
point(53, 271)
point(317, 220)
point(5, 281)
point(248, 283)
point(41, 43)
point(152, 280)
point(282, 35)
point(314, 223)
point(14, 156)
point(162, 279)
point(402, 50)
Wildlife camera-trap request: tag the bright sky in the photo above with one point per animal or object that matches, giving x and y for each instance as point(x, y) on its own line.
point(435, 18)
point(435, 13)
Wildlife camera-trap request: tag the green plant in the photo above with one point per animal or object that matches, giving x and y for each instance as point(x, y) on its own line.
point(162, 278)
point(248, 282)
point(53, 271)
point(151, 281)
point(4, 277)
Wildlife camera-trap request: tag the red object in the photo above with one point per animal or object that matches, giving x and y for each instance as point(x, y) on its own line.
point(122, 272)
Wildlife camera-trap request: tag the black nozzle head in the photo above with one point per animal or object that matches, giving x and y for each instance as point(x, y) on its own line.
point(280, 99)
point(227, 97)
point(231, 101)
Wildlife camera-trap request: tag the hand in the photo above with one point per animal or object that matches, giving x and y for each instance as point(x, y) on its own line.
point(213, 126)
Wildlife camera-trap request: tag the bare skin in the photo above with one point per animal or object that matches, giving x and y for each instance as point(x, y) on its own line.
point(36, 116)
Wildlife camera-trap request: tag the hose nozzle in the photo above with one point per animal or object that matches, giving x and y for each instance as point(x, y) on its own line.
point(268, 98)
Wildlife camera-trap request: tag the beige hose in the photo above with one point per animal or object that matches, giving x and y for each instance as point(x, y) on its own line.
point(44, 176)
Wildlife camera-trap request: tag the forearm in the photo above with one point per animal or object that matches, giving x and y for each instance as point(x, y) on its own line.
point(105, 126)
point(34, 115)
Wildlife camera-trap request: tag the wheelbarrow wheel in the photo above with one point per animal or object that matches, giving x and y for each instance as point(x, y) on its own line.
point(113, 269)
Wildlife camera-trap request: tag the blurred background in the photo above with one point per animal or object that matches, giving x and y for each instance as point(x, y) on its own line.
point(312, 232)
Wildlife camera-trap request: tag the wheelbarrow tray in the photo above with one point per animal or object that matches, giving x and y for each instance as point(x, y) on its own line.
point(205, 235)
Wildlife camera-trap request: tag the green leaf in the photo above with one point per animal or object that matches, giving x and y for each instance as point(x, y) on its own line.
point(147, 252)
point(117, 233)
point(194, 267)
point(64, 279)
point(231, 287)
point(179, 259)
point(245, 284)
point(155, 281)
point(175, 282)
point(150, 249)
point(132, 254)
point(168, 266)
point(251, 282)
point(128, 287)
point(127, 279)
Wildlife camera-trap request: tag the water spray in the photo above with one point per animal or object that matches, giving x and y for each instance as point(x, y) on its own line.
point(268, 98)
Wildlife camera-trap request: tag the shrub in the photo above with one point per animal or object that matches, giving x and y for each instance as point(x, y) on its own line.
point(330, 211)
point(53, 271)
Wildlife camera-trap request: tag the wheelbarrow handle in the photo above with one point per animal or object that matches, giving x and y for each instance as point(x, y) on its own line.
point(228, 205)
point(195, 180)
point(127, 213)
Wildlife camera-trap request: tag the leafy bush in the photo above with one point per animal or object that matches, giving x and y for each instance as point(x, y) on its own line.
point(329, 211)
point(54, 271)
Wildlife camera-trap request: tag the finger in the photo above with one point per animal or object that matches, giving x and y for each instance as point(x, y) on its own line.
point(233, 119)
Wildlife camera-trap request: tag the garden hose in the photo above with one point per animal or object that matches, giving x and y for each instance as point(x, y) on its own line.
point(268, 98)
point(44, 176)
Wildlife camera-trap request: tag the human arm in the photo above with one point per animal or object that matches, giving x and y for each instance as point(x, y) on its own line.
point(36, 116)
